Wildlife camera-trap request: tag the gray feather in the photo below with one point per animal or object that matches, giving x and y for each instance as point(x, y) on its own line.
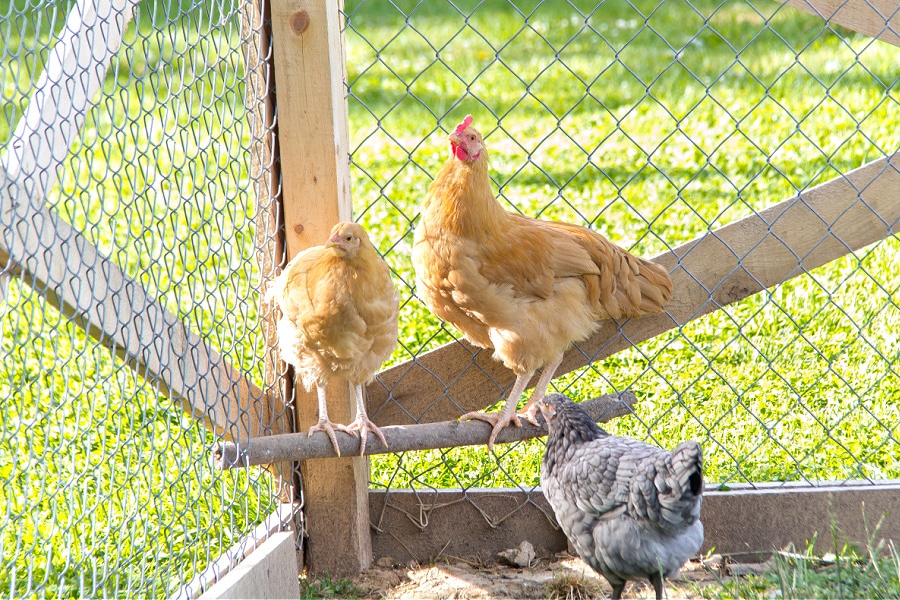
point(631, 510)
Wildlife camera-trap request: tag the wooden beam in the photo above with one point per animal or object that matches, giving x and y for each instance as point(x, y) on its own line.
point(312, 119)
point(72, 76)
point(315, 174)
point(44, 250)
point(723, 266)
point(875, 18)
point(402, 438)
point(265, 573)
point(50, 256)
point(281, 520)
point(471, 524)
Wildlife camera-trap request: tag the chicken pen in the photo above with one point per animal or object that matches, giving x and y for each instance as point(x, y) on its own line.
point(163, 160)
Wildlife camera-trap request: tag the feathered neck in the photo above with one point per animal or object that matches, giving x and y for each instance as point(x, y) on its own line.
point(461, 199)
point(570, 428)
point(361, 268)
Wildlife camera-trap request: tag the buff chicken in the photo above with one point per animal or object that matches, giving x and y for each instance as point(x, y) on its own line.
point(338, 319)
point(525, 288)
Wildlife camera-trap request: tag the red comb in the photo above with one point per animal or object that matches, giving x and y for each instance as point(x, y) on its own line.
point(465, 124)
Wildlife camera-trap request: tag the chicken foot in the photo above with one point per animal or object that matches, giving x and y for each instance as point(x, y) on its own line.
point(325, 424)
point(507, 414)
point(362, 424)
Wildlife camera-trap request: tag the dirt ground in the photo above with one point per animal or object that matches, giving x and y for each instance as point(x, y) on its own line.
point(551, 577)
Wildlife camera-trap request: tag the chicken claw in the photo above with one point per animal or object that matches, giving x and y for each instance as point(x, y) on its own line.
point(328, 427)
point(530, 413)
point(498, 420)
point(363, 426)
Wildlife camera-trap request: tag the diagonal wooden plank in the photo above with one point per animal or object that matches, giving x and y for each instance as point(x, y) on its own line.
point(73, 73)
point(37, 245)
point(50, 256)
point(721, 267)
point(875, 18)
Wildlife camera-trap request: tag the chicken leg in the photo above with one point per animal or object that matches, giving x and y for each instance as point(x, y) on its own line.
point(657, 581)
point(508, 414)
point(362, 424)
point(324, 423)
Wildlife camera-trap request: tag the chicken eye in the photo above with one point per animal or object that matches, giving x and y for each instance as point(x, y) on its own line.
point(472, 137)
point(348, 238)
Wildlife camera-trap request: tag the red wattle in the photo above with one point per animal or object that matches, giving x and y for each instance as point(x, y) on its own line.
point(458, 152)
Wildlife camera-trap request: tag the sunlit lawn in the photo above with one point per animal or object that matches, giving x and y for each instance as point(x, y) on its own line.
point(652, 124)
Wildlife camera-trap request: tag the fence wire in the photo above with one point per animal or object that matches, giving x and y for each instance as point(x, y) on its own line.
point(653, 122)
point(105, 483)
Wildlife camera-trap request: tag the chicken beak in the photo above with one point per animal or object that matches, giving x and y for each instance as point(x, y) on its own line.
point(335, 241)
point(454, 139)
point(546, 410)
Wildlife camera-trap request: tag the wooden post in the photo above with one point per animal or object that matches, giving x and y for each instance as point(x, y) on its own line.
point(315, 169)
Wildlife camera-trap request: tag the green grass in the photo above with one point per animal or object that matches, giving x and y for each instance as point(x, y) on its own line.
point(106, 487)
point(653, 137)
point(849, 572)
point(667, 122)
point(328, 587)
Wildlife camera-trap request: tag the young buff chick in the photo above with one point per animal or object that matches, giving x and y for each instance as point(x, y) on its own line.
point(631, 510)
point(338, 318)
point(526, 288)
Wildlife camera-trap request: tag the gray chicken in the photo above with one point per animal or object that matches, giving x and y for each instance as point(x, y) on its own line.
point(630, 509)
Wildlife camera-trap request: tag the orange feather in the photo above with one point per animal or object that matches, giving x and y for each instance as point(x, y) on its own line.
point(526, 288)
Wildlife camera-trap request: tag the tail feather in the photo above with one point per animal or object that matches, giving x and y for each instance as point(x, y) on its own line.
point(681, 503)
point(640, 286)
point(687, 469)
point(656, 286)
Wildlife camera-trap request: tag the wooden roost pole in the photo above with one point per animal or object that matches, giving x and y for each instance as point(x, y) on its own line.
point(314, 151)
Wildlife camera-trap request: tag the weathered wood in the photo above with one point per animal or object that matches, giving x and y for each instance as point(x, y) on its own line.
point(875, 18)
point(48, 254)
point(426, 525)
point(315, 171)
point(116, 311)
point(401, 438)
point(748, 521)
point(718, 268)
point(281, 520)
point(265, 573)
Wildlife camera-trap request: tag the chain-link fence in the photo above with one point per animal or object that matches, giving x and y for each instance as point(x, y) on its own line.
point(656, 123)
point(122, 186)
point(653, 122)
